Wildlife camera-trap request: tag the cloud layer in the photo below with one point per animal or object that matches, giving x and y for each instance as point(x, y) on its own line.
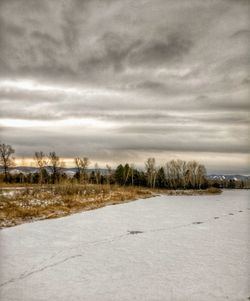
point(122, 80)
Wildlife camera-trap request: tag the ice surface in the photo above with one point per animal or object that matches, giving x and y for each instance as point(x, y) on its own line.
point(163, 248)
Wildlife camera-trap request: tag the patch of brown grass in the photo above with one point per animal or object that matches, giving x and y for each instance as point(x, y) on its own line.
point(214, 190)
point(53, 201)
point(211, 190)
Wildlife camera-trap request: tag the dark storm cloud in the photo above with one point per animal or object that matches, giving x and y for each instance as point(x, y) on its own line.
point(99, 74)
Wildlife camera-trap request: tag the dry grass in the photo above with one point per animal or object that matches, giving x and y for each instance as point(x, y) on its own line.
point(29, 203)
point(33, 203)
point(210, 190)
point(214, 190)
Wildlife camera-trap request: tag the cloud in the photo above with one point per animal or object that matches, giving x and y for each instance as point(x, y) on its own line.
point(160, 53)
point(121, 79)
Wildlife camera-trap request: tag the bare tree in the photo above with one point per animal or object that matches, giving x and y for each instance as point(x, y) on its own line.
point(151, 171)
point(172, 173)
point(184, 173)
point(201, 175)
point(109, 169)
point(192, 167)
point(180, 168)
point(6, 159)
point(41, 161)
point(97, 173)
point(55, 166)
point(82, 164)
point(181, 174)
point(132, 169)
point(78, 167)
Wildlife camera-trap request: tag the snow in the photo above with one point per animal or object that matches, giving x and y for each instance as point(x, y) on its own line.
point(70, 173)
point(162, 248)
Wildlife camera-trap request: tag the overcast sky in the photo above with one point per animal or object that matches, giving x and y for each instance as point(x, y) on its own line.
point(119, 80)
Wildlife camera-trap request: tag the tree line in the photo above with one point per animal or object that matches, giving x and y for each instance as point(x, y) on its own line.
point(175, 174)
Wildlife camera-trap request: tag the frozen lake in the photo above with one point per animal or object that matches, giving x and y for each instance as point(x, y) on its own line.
point(164, 248)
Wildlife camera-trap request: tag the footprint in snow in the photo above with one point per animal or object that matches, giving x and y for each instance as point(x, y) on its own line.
point(135, 232)
point(216, 217)
point(240, 211)
point(197, 223)
point(230, 214)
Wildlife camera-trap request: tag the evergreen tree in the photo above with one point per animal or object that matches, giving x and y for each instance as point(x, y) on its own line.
point(119, 174)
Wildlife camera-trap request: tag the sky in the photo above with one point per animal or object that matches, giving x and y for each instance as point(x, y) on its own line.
point(124, 80)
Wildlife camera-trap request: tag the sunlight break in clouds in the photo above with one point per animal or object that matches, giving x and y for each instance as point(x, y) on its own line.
point(94, 124)
point(32, 86)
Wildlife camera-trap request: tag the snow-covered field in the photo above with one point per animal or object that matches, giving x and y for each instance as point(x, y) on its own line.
point(164, 248)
